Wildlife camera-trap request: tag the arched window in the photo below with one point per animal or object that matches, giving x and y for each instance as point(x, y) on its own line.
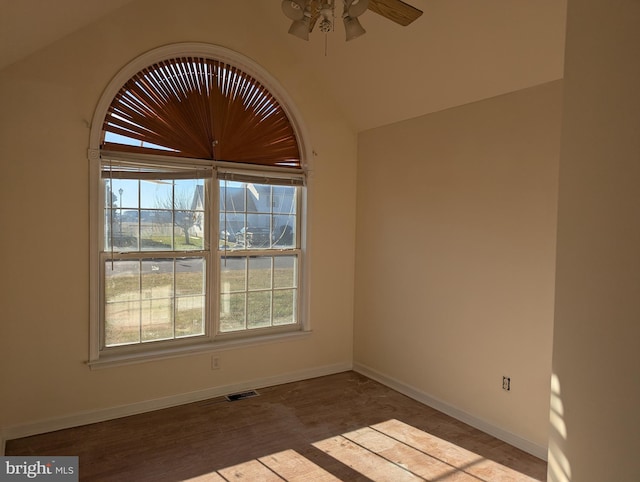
point(200, 108)
point(198, 203)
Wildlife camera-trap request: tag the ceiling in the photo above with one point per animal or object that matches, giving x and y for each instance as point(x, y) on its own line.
point(29, 25)
point(458, 51)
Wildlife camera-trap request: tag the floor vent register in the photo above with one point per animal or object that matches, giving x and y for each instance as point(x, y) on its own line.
point(234, 397)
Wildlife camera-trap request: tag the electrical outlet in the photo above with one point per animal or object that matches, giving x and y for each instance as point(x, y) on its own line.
point(215, 363)
point(506, 383)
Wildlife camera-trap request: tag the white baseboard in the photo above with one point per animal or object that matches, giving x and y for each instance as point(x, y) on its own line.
point(94, 416)
point(504, 435)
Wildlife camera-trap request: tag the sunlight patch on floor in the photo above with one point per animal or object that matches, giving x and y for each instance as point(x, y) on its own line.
point(288, 465)
point(388, 451)
point(293, 467)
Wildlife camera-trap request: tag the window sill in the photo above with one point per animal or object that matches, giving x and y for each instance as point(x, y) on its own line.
point(109, 361)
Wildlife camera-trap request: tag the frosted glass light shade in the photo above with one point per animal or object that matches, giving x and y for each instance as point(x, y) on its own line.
point(352, 28)
point(294, 9)
point(300, 28)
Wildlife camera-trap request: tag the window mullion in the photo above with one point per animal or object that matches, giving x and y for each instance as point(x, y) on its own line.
point(246, 293)
point(272, 288)
point(174, 299)
point(140, 308)
point(212, 283)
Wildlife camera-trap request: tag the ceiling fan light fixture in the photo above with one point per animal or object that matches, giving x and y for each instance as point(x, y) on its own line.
point(306, 14)
point(294, 9)
point(355, 8)
point(300, 28)
point(352, 28)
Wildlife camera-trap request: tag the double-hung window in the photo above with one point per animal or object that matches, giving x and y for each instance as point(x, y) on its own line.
point(258, 253)
point(156, 252)
point(199, 201)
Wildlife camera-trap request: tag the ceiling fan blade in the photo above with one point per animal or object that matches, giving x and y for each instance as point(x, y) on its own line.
point(395, 10)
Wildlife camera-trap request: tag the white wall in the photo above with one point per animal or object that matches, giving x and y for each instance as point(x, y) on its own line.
point(47, 101)
point(455, 258)
point(596, 357)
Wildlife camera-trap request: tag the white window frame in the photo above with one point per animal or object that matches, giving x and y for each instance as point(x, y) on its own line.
point(213, 340)
point(274, 173)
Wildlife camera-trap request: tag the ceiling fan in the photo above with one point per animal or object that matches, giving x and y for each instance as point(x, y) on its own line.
point(305, 14)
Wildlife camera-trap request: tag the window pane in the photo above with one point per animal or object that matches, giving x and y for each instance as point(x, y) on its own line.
point(189, 205)
point(122, 280)
point(145, 297)
point(284, 303)
point(129, 230)
point(158, 215)
point(190, 316)
point(260, 273)
point(157, 299)
point(123, 235)
point(259, 309)
point(258, 198)
point(157, 319)
point(252, 197)
point(284, 199)
point(187, 235)
point(122, 323)
point(232, 312)
point(257, 216)
point(270, 292)
point(233, 274)
point(232, 196)
point(230, 225)
point(284, 231)
point(285, 272)
point(124, 193)
point(157, 278)
point(120, 197)
point(156, 230)
point(258, 231)
point(122, 302)
point(156, 194)
point(269, 282)
point(190, 280)
point(190, 276)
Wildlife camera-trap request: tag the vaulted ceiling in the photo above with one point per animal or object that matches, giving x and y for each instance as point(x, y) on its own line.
point(458, 51)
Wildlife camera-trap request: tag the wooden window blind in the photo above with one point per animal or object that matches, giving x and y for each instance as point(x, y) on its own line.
point(200, 108)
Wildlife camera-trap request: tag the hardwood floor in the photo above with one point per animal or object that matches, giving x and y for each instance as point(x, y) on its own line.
point(339, 427)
